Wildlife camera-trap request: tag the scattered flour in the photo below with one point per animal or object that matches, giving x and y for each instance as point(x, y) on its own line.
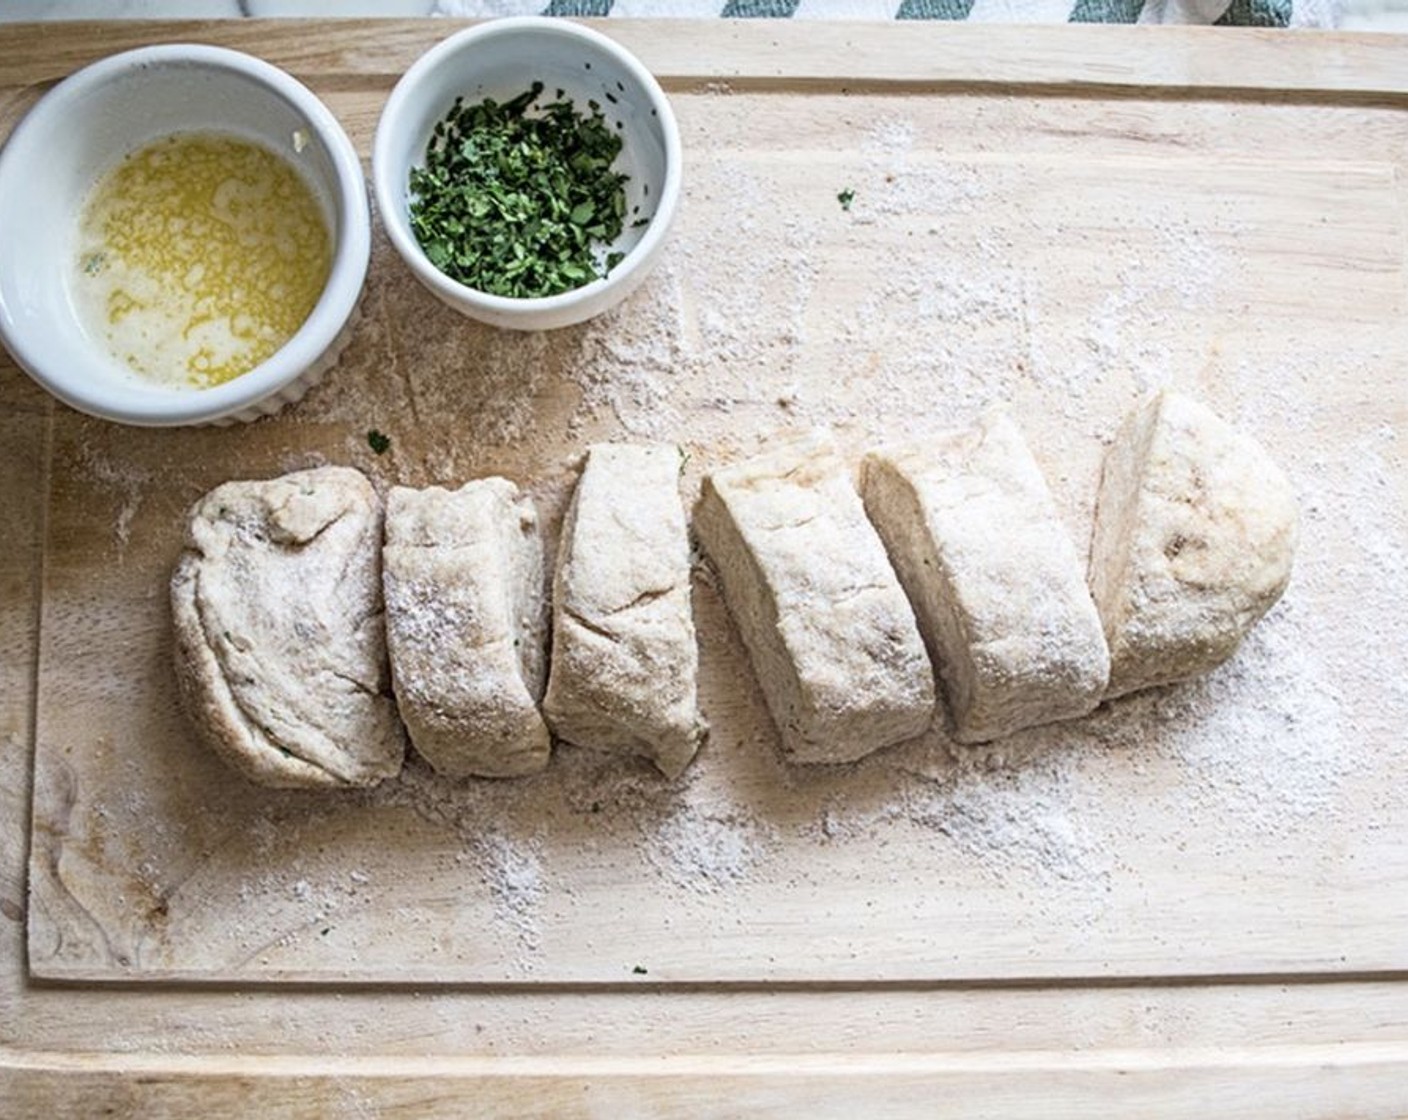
point(514, 872)
point(705, 850)
point(1264, 740)
point(1016, 821)
point(128, 481)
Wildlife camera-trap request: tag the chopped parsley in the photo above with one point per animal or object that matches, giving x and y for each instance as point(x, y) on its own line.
point(845, 198)
point(640, 970)
point(378, 442)
point(518, 199)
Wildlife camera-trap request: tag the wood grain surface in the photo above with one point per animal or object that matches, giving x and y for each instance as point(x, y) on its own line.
point(1052, 223)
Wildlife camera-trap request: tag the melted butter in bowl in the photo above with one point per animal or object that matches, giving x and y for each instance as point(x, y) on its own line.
point(199, 255)
point(186, 233)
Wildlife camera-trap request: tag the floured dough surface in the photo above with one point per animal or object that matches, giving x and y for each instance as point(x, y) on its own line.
point(831, 635)
point(466, 624)
point(280, 651)
point(996, 582)
point(625, 663)
point(1195, 530)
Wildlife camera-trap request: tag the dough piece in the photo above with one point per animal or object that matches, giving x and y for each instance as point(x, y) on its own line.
point(280, 653)
point(995, 580)
point(466, 624)
point(1195, 528)
point(625, 665)
point(832, 638)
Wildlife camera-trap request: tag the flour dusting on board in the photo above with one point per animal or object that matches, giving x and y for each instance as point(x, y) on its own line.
point(514, 870)
point(705, 850)
point(126, 480)
point(1279, 708)
point(1016, 821)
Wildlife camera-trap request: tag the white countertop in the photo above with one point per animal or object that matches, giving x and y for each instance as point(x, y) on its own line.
point(15, 10)
point(1355, 15)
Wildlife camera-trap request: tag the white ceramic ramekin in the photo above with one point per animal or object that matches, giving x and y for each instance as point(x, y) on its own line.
point(82, 128)
point(501, 59)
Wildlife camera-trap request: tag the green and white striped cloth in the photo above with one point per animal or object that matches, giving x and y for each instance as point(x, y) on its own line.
point(1228, 13)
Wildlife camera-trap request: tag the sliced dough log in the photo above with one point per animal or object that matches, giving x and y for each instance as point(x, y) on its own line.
point(1195, 529)
point(832, 637)
point(625, 664)
point(994, 578)
point(466, 624)
point(280, 652)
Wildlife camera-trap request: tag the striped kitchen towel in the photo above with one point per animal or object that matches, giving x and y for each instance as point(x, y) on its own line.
point(1227, 13)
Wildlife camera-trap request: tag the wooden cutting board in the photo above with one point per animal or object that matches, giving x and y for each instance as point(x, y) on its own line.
point(1053, 222)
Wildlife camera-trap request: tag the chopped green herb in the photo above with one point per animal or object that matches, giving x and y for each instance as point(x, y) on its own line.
point(518, 199)
point(378, 442)
point(845, 198)
point(640, 970)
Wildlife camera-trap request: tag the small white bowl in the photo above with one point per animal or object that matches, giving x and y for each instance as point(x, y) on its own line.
point(82, 128)
point(501, 59)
